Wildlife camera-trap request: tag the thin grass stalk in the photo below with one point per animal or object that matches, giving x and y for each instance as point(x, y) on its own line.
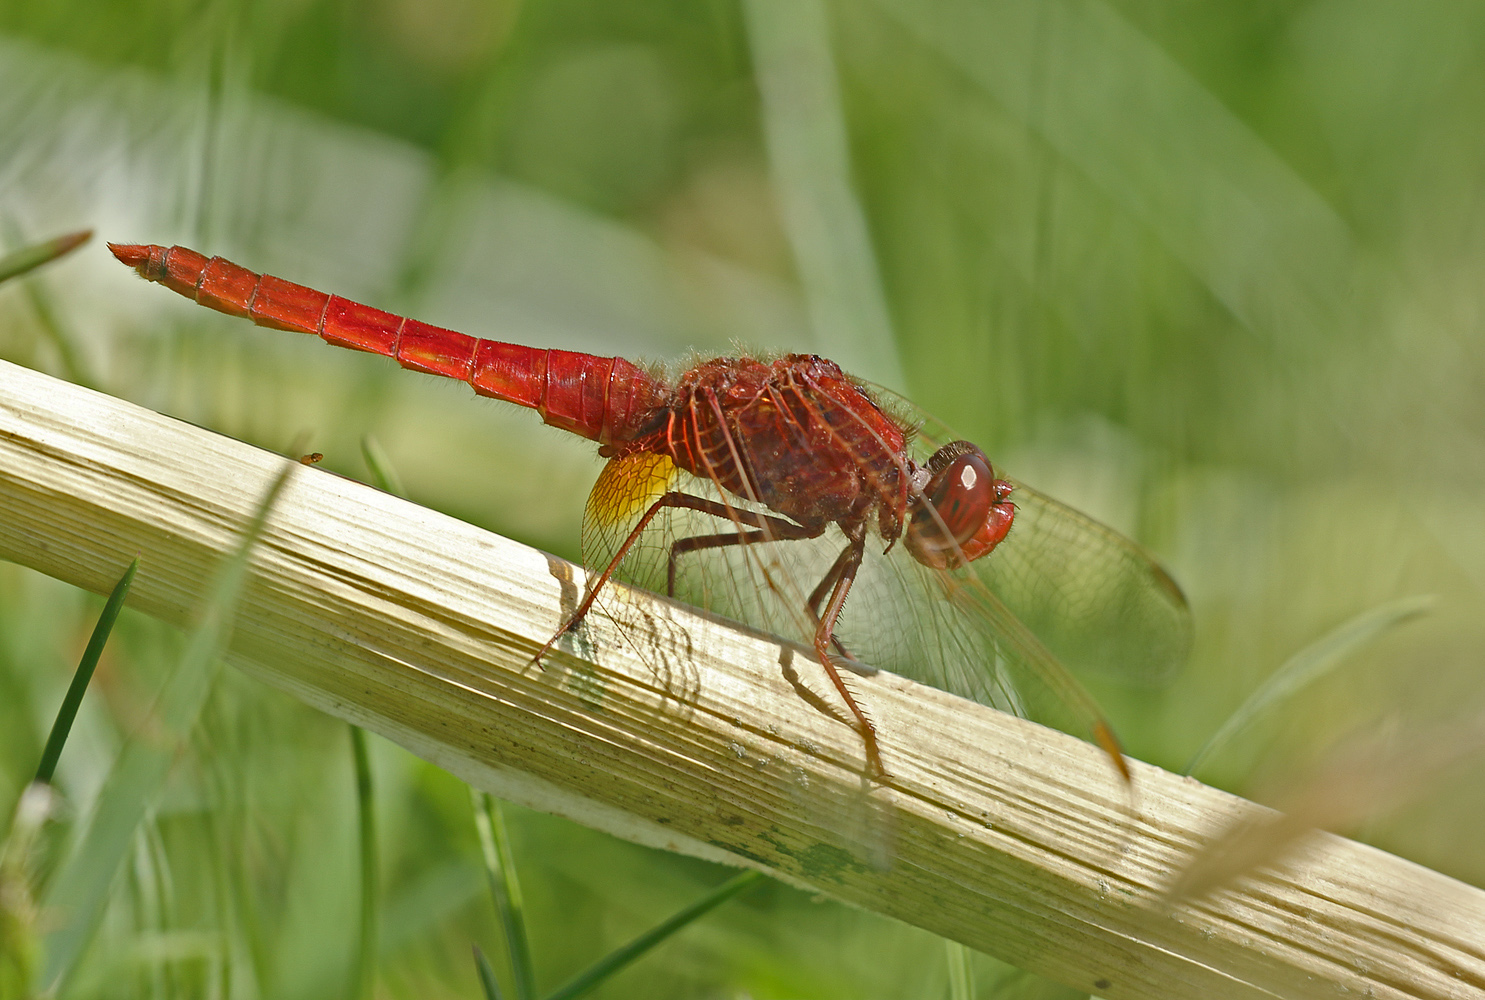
point(67, 714)
point(961, 973)
point(31, 257)
point(617, 959)
point(488, 982)
point(383, 476)
point(366, 940)
point(63, 342)
point(505, 888)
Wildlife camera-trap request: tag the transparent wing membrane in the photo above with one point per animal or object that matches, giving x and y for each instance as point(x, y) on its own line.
point(764, 584)
point(1096, 599)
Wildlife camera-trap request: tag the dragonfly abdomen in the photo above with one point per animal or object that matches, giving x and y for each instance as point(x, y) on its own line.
point(608, 400)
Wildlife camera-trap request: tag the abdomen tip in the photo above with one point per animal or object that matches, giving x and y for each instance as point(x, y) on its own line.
point(132, 254)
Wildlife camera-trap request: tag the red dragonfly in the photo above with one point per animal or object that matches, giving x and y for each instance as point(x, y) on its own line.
point(771, 490)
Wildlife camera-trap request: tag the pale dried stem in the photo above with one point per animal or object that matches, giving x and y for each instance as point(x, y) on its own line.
point(682, 733)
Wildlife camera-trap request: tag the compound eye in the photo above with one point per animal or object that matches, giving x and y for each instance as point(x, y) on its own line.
point(964, 511)
point(961, 494)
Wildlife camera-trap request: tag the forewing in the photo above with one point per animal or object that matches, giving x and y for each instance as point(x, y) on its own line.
point(1097, 600)
point(949, 630)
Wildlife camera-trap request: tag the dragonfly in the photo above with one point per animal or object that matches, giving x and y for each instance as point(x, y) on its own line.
point(771, 490)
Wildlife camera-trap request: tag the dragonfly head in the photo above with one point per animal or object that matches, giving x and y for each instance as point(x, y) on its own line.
point(960, 510)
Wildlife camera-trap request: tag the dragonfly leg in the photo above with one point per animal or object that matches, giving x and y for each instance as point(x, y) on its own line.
point(830, 579)
point(771, 529)
point(770, 526)
point(844, 574)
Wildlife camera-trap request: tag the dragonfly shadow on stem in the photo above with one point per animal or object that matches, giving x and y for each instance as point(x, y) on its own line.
point(815, 701)
point(861, 818)
point(641, 624)
point(645, 626)
point(569, 595)
point(664, 645)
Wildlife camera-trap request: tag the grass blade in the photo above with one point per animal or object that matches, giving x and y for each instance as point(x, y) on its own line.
point(73, 700)
point(1366, 776)
point(29, 258)
point(366, 944)
point(81, 887)
point(487, 975)
point(500, 869)
point(620, 957)
point(383, 476)
point(62, 341)
point(1310, 665)
point(961, 973)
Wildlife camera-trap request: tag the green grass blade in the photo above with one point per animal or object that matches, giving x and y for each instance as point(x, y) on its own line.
point(70, 704)
point(1309, 665)
point(51, 325)
point(366, 944)
point(961, 973)
point(809, 157)
point(31, 257)
point(487, 975)
point(620, 957)
point(500, 869)
point(383, 476)
point(81, 887)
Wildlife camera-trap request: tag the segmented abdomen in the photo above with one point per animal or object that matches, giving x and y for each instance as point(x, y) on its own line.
point(608, 400)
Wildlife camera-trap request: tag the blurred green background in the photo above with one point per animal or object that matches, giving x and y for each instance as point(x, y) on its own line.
point(1213, 272)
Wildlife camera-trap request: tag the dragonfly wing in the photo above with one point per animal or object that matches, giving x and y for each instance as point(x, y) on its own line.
point(949, 630)
point(1067, 703)
point(765, 585)
point(1098, 601)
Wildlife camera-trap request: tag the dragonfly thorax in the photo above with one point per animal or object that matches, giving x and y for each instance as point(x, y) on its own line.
point(796, 435)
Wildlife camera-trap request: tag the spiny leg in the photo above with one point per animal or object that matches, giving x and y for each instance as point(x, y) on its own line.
point(772, 529)
point(844, 572)
point(832, 576)
point(672, 499)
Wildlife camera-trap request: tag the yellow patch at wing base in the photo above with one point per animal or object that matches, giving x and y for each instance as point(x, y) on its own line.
point(627, 486)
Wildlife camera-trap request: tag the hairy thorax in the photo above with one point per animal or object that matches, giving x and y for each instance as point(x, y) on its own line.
point(795, 434)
